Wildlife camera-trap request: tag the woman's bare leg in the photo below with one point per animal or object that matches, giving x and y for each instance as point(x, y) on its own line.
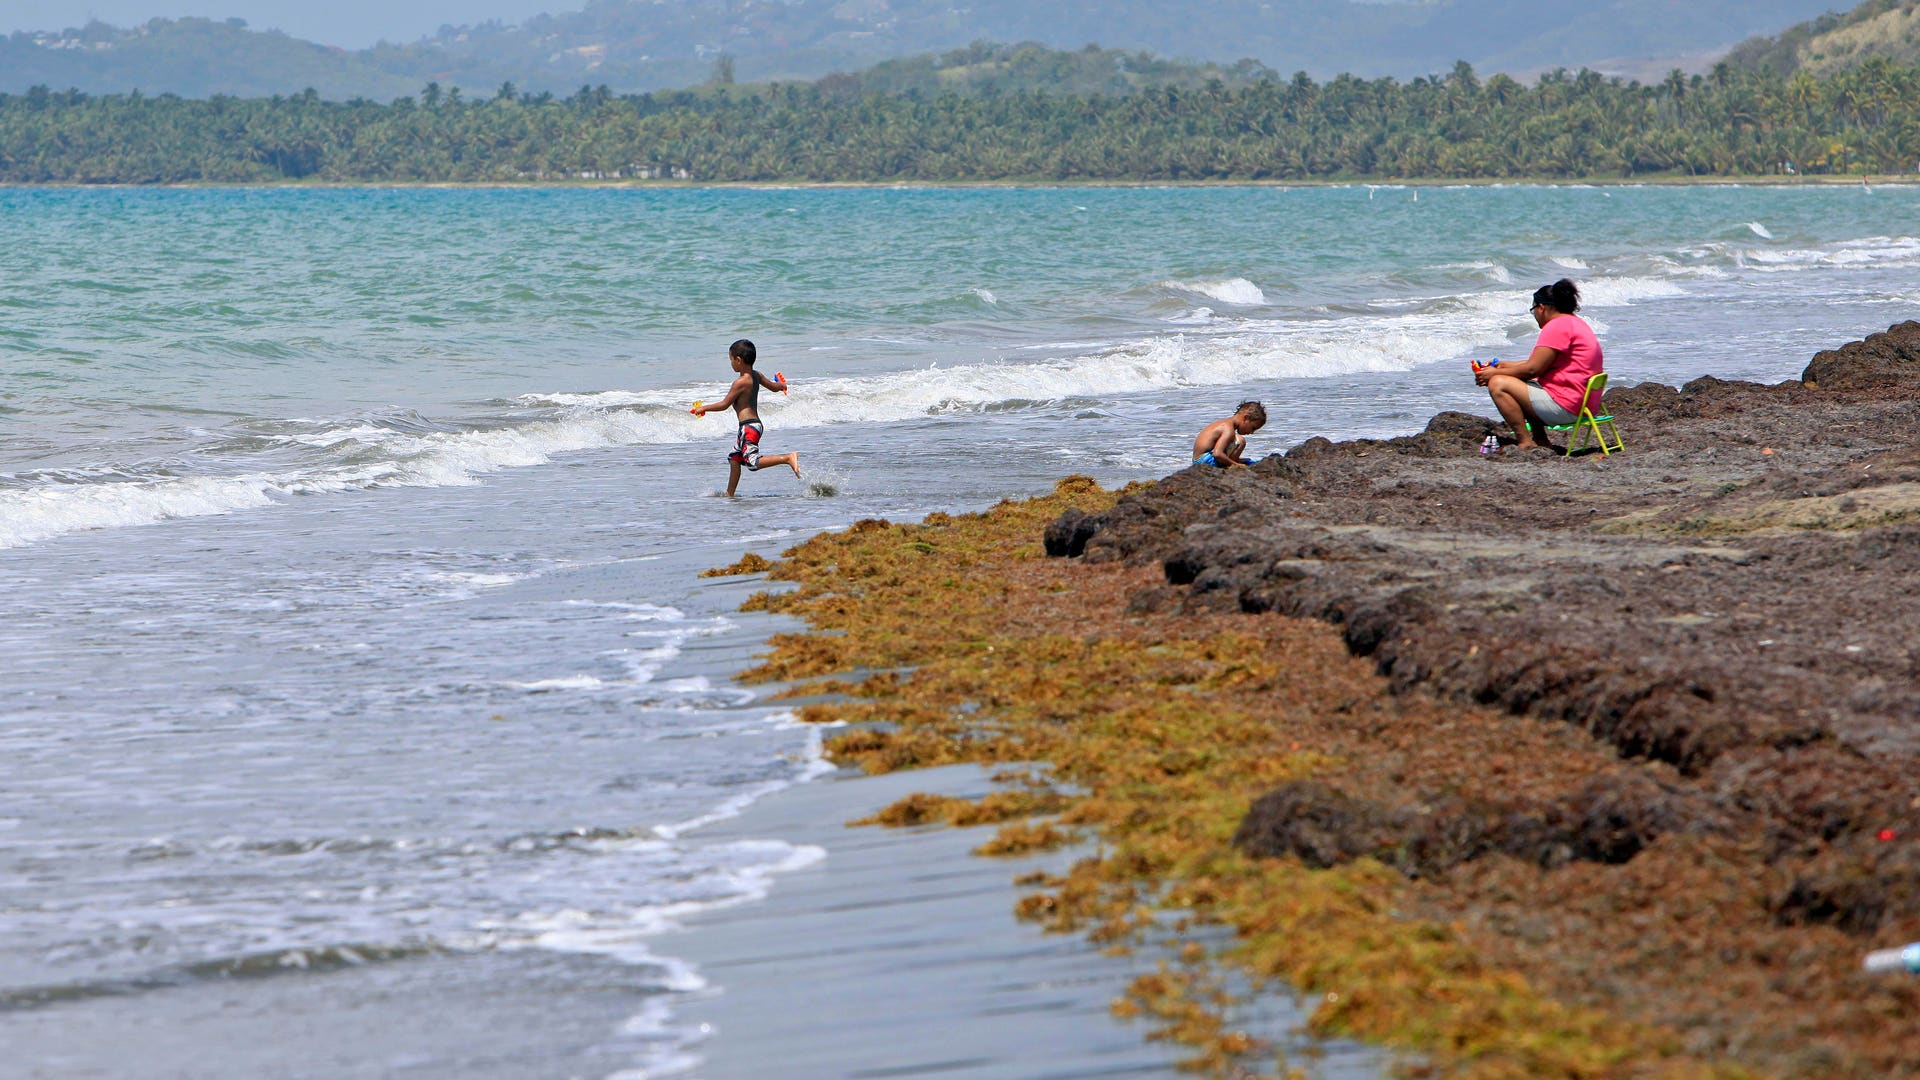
point(1510, 396)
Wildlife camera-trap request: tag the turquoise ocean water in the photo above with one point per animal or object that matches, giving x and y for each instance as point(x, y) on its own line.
point(348, 537)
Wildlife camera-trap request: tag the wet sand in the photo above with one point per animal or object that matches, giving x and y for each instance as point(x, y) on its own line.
point(898, 956)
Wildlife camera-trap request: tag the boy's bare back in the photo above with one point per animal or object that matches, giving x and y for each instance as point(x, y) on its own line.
point(1210, 440)
point(1222, 442)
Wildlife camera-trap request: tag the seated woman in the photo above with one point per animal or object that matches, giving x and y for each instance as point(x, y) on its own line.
point(1547, 387)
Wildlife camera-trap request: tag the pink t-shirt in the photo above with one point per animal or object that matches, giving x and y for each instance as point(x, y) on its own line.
point(1580, 360)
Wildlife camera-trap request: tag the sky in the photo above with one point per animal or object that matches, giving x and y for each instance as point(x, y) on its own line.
point(350, 23)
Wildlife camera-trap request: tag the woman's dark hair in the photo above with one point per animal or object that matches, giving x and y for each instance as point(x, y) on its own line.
point(1562, 296)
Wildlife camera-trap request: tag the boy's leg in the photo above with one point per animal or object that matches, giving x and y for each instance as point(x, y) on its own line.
point(791, 460)
point(733, 477)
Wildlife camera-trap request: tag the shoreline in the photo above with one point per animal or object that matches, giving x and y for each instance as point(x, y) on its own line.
point(905, 933)
point(1765, 180)
point(1658, 831)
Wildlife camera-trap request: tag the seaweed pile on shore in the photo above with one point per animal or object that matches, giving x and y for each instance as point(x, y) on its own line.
point(1734, 603)
point(1306, 702)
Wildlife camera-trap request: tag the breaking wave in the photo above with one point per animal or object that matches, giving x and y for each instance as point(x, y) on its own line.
point(1237, 290)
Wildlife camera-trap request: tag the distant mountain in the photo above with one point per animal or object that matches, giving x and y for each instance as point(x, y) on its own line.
point(192, 58)
point(1889, 28)
point(655, 44)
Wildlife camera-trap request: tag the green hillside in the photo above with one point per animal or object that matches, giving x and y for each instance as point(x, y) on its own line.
point(191, 58)
point(1832, 42)
point(634, 45)
point(674, 42)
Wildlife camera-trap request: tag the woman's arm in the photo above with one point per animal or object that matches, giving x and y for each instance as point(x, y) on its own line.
point(1537, 363)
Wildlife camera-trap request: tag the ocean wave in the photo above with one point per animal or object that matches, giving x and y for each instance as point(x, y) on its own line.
point(361, 453)
point(1489, 271)
point(1620, 292)
point(1872, 252)
point(1238, 291)
point(1594, 293)
point(751, 866)
point(568, 682)
point(252, 965)
point(375, 457)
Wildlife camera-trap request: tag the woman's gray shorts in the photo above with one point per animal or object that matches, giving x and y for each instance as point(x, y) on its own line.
point(1550, 412)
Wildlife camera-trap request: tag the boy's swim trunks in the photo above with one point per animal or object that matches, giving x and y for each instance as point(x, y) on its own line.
point(746, 445)
point(1208, 459)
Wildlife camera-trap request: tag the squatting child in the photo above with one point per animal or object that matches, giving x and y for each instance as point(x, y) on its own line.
point(1222, 442)
point(744, 398)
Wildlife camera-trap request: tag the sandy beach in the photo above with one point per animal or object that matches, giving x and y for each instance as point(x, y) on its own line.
point(1536, 765)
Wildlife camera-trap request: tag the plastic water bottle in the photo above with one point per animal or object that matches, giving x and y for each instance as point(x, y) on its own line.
point(1490, 444)
point(1906, 958)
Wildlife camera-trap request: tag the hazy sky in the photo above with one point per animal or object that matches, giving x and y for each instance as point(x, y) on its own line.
point(353, 23)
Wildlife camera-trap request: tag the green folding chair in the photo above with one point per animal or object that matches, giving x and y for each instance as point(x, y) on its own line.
point(1588, 424)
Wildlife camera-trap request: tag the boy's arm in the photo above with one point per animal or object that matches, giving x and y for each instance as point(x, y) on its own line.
point(1223, 449)
point(769, 383)
point(733, 394)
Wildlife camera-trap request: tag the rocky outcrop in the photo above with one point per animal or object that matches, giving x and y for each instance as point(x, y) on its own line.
point(1737, 596)
point(1887, 362)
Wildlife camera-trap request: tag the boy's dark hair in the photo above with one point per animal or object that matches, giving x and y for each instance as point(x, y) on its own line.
point(1255, 411)
point(743, 349)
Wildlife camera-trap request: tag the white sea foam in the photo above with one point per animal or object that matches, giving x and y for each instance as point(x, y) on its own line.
point(1873, 252)
point(1620, 292)
point(1237, 291)
point(644, 664)
point(433, 459)
point(571, 682)
point(1759, 230)
point(485, 581)
point(1489, 270)
point(357, 455)
point(639, 612)
point(1569, 263)
point(669, 1049)
point(382, 457)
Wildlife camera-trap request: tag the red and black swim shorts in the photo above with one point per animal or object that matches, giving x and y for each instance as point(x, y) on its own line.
point(746, 445)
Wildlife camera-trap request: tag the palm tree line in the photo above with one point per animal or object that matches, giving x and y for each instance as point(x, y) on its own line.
point(1733, 122)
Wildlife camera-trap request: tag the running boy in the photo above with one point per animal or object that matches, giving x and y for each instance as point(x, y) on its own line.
point(1222, 442)
point(744, 398)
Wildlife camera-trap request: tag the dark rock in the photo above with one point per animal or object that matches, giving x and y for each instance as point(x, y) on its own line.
point(1610, 820)
point(1315, 823)
point(1885, 361)
point(1854, 890)
point(1067, 535)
